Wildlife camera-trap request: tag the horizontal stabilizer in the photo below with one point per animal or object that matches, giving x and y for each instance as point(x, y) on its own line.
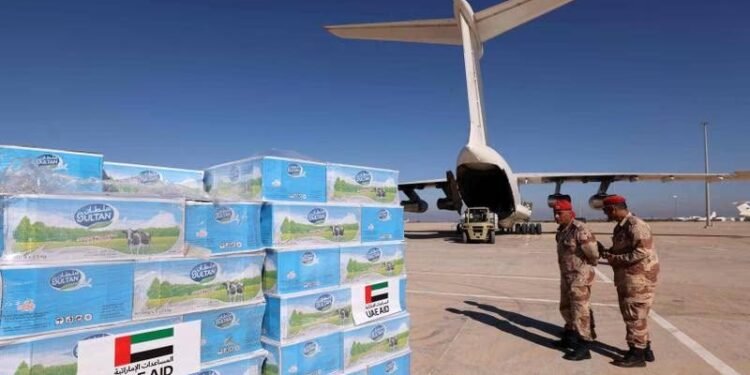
point(436, 31)
point(507, 15)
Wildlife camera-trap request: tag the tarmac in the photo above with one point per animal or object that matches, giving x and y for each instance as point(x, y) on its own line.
point(493, 309)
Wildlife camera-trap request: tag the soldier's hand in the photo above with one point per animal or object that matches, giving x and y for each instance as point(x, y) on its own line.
point(602, 250)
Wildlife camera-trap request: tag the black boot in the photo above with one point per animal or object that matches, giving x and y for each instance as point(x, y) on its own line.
point(648, 354)
point(567, 340)
point(581, 351)
point(633, 358)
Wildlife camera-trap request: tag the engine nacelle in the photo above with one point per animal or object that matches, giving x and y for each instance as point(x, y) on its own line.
point(596, 202)
point(419, 206)
point(552, 199)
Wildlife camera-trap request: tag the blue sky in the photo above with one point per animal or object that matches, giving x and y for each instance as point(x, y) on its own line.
point(595, 86)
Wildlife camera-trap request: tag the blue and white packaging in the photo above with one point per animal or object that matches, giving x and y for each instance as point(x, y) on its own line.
point(228, 333)
point(171, 287)
point(397, 365)
point(36, 170)
point(15, 359)
point(315, 355)
point(222, 228)
point(356, 371)
point(291, 271)
point(375, 341)
point(382, 224)
point(305, 225)
point(37, 300)
point(268, 179)
point(363, 185)
point(148, 179)
point(55, 228)
point(247, 365)
point(297, 315)
point(372, 262)
point(402, 292)
point(59, 354)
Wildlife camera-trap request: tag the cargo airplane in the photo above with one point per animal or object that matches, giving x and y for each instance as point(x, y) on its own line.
point(482, 177)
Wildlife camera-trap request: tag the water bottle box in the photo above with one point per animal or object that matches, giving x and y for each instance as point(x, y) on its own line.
point(182, 286)
point(228, 333)
point(148, 179)
point(222, 228)
point(371, 262)
point(36, 170)
point(54, 228)
point(306, 225)
point(375, 341)
point(268, 179)
point(362, 185)
point(293, 316)
point(291, 271)
point(315, 355)
point(382, 224)
point(36, 300)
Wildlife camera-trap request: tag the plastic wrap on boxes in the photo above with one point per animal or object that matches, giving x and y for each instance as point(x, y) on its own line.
point(371, 262)
point(375, 341)
point(188, 285)
point(222, 228)
point(315, 355)
point(246, 365)
point(356, 371)
point(300, 225)
point(229, 332)
point(382, 224)
point(397, 365)
point(36, 300)
point(292, 316)
point(402, 292)
point(290, 271)
point(353, 184)
point(56, 228)
point(152, 180)
point(268, 178)
point(27, 170)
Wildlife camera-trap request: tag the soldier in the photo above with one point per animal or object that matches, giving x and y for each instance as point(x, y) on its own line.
point(577, 255)
point(636, 267)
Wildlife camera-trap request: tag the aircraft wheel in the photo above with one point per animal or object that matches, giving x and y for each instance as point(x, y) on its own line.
point(517, 228)
point(492, 237)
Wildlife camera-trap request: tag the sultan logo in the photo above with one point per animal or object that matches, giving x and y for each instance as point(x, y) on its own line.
point(310, 349)
point(294, 170)
point(363, 178)
point(374, 254)
point(51, 161)
point(308, 258)
point(324, 302)
point(384, 215)
point(317, 216)
point(69, 280)
point(224, 214)
point(204, 272)
point(225, 320)
point(376, 292)
point(149, 177)
point(143, 346)
point(96, 215)
point(377, 333)
point(391, 367)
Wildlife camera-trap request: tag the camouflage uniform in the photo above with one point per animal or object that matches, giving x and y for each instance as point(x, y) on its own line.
point(636, 268)
point(577, 256)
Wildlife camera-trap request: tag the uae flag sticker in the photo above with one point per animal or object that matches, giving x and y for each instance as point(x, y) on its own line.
point(144, 346)
point(376, 292)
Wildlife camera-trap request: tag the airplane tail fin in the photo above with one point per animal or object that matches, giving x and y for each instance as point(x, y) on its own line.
point(507, 15)
point(435, 31)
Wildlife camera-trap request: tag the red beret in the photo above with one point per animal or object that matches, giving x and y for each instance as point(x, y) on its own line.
point(614, 199)
point(562, 205)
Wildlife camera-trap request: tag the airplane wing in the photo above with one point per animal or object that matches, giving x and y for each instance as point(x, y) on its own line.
point(545, 178)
